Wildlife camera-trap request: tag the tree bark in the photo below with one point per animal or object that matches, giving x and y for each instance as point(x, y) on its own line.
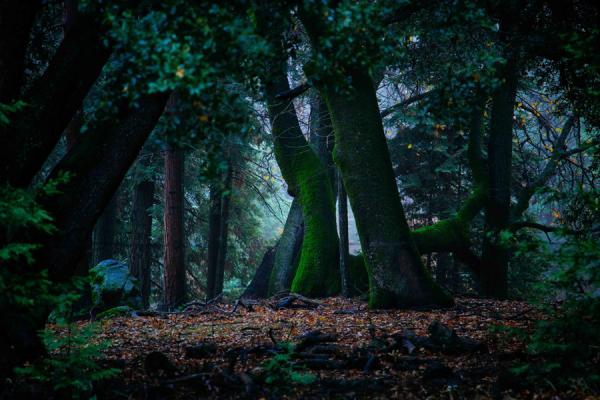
point(97, 166)
point(52, 102)
point(287, 251)
point(141, 223)
point(174, 262)
point(344, 242)
point(495, 255)
point(259, 286)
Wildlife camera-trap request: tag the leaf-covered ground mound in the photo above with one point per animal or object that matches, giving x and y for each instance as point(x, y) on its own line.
point(334, 348)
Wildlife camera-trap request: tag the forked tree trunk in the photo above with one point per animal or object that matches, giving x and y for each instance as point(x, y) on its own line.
point(141, 223)
point(98, 165)
point(174, 262)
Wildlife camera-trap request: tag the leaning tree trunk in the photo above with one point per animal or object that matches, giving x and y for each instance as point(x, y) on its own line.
point(97, 165)
point(306, 176)
point(259, 286)
point(495, 255)
point(223, 230)
point(287, 251)
point(397, 277)
point(174, 262)
point(141, 223)
point(16, 20)
point(214, 234)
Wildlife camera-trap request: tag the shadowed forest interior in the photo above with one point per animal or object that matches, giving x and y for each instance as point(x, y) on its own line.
point(299, 199)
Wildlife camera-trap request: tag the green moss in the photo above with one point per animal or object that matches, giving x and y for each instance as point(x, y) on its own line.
point(317, 274)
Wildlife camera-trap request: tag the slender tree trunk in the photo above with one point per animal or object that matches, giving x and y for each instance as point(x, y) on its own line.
point(223, 230)
point(495, 255)
point(287, 250)
point(344, 242)
point(141, 223)
point(174, 262)
point(214, 234)
point(97, 164)
point(16, 20)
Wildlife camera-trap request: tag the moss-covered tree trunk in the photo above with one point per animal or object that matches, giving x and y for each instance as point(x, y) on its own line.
point(308, 180)
point(397, 278)
point(495, 255)
point(141, 225)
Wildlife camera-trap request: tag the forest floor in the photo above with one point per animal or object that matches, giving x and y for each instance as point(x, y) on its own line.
point(341, 348)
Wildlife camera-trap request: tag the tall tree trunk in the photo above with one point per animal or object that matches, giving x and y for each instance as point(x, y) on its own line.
point(224, 229)
point(214, 235)
point(397, 277)
point(495, 255)
point(141, 223)
point(287, 251)
point(344, 242)
point(259, 286)
point(174, 262)
point(105, 232)
point(308, 180)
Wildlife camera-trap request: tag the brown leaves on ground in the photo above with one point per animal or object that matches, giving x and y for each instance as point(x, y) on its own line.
point(220, 351)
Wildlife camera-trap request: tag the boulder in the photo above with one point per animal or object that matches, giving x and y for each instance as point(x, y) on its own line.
point(113, 286)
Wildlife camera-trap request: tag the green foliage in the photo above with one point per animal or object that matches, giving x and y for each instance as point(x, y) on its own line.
point(281, 370)
point(71, 367)
point(7, 109)
point(566, 344)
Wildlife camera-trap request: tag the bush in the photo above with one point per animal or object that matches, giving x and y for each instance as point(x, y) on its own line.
point(566, 345)
point(71, 367)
